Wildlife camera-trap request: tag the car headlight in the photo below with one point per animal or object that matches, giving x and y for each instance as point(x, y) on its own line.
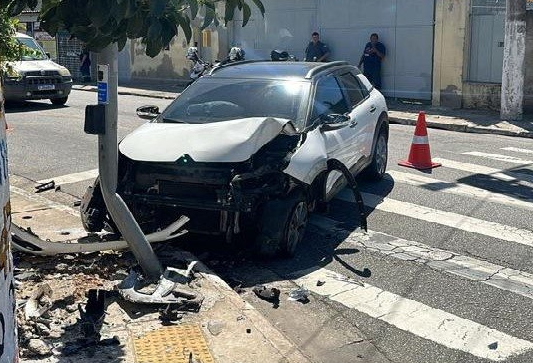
point(63, 72)
point(13, 74)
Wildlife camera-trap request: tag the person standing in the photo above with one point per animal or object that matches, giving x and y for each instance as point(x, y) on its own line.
point(371, 60)
point(316, 51)
point(85, 65)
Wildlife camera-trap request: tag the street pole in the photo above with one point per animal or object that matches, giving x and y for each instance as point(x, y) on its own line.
point(514, 54)
point(108, 167)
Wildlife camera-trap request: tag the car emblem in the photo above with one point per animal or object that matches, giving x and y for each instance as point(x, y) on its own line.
point(43, 72)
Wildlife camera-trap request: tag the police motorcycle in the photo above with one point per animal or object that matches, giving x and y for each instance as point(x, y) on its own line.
point(201, 67)
point(282, 56)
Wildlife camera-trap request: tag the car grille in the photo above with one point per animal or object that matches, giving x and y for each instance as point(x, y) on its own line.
point(41, 74)
point(42, 80)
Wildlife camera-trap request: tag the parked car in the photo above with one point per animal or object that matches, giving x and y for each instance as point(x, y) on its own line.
point(247, 151)
point(35, 76)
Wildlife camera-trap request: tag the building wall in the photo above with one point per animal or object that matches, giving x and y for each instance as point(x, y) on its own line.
point(488, 95)
point(449, 51)
point(171, 64)
point(528, 97)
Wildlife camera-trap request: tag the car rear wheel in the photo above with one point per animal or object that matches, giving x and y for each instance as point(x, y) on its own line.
point(282, 226)
point(59, 101)
point(378, 166)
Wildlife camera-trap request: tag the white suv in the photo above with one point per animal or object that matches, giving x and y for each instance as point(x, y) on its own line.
point(250, 150)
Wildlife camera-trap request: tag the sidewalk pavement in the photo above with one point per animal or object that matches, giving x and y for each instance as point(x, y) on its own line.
point(225, 330)
point(461, 120)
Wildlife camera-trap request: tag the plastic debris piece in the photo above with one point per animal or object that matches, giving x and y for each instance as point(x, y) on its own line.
point(45, 186)
point(301, 295)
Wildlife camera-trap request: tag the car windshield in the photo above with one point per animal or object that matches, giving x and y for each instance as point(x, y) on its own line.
point(31, 50)
point(222, 99)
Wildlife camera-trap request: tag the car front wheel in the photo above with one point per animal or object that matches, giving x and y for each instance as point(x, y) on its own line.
point(282, 226)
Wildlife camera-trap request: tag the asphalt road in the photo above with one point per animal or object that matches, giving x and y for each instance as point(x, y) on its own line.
point(444, 275)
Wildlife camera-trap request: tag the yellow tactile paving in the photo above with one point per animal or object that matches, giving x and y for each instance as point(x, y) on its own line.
point(172, 344)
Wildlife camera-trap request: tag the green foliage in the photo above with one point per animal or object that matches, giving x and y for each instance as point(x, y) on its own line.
point(10, 49)
point(101, 22)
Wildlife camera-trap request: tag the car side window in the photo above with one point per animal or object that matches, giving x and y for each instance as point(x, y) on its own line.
point(356, 92)
point(328, 98)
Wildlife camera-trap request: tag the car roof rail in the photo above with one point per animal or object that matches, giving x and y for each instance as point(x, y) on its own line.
point(325, 66)
point(229, 64)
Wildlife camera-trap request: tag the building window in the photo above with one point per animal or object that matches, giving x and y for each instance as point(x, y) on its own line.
point(487, 25)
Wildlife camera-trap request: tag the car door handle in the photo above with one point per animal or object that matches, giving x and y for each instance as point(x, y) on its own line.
point(372, 109)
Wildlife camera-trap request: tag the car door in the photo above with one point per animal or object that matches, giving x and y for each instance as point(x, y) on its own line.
point(360, 114)
point(329, 99)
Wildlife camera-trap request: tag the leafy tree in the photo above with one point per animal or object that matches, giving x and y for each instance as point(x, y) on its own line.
point(101, 22)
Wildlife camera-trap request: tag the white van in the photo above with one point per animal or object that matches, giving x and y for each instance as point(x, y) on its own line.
point(36, 77)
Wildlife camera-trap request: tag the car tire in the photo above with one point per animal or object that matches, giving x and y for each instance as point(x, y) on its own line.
point(282, 226)
point(378, 166)
point(94, 214)
point(59, 101)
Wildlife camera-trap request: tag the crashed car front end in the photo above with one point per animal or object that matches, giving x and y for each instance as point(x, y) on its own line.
point(219, 193)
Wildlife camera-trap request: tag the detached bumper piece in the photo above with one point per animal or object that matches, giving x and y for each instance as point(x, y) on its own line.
point(26, 241)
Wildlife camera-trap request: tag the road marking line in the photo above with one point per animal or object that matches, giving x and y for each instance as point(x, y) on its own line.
point(503, 278)
point(458, 189)
point(450, 219)
point(412, 316)
point(72, 178)
point(510, 176)
point(499, 157)
point(518, 150)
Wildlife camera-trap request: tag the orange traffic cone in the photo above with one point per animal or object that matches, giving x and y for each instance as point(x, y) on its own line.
point(420, 155)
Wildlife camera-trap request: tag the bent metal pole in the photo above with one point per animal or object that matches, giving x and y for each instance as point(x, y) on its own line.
point(108, 166)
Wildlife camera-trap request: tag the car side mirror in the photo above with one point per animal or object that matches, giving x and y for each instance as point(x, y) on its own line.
point(48, 55)
point(334, 121)
point(148, 112)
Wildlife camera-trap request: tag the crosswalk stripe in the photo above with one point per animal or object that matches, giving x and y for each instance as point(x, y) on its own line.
point(458, 189)
point(510, 176)
point(72, 178)
point(412, 316)
point(503, 278)
point(499, 157)
point(450, 219)
point(518, 150)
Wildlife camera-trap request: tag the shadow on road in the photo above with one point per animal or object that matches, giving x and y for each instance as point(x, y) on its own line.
point(30, 106)
point(319, 248)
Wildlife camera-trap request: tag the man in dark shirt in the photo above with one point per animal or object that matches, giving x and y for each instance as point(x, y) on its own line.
point(371, 59)
point(316, 51)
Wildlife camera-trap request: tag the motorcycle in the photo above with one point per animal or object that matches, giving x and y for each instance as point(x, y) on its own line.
point(201, 67)
point(282, 56)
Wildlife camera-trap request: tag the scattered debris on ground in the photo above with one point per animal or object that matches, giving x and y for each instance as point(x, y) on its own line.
point(45, 186)
point(301, 295)
point(64, 302)
point(270, 294)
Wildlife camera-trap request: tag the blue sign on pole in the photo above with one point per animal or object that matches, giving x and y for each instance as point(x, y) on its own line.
point(103, 78)
point(102, 93)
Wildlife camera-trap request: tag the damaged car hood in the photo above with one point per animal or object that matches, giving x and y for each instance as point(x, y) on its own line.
point(223, 142)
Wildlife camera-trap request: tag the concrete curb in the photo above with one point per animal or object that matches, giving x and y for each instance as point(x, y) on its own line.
point(131, 92)
point(461, 127)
